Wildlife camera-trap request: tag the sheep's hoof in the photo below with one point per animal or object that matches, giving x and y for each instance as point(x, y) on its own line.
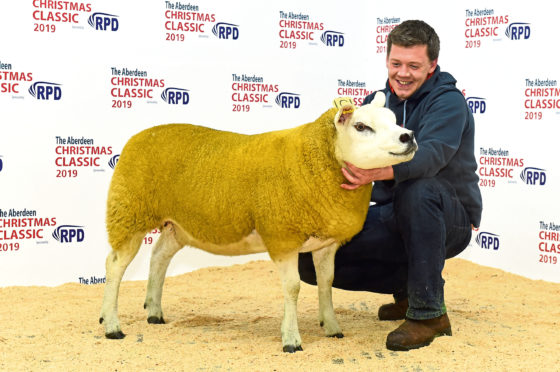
point(292, 348)
point(115, 335)
point(337, 335)
point(156, 320)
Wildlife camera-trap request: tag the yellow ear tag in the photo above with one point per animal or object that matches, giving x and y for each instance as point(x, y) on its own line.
point(347, 110)
point(344, 101)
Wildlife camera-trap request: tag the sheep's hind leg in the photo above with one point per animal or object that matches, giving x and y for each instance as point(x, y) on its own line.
point(162, 253)
point(115, 265)
point(288, 267)
point(323, 259)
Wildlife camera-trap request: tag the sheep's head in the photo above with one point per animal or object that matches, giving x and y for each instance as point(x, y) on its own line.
point(368, 137)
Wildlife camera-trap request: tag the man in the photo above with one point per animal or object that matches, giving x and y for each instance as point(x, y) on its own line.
point(424, 209)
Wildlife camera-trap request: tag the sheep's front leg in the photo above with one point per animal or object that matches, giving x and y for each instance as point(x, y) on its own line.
point(323, 259)
point(288, 267)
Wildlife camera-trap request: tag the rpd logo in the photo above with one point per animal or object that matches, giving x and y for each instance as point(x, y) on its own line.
point(176, 96)
point(477, 105)
point(533, 176)
point(333, 38)
point(104, 21)
point(43, 90)
point(114, 160)
point(69, 234)
point(518, 31)
point(288, 100)
point(225, 31)
point(488, 240)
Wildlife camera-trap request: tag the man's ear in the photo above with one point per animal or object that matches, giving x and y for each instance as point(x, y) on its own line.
point(433, 65)
point(344, 114)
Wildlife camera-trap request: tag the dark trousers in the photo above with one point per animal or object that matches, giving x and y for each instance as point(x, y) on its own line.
point(403, 246)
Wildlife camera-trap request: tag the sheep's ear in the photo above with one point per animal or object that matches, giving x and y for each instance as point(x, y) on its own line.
point(378, 99)
point(345, 107)
point(344, 114)
point(342, 101)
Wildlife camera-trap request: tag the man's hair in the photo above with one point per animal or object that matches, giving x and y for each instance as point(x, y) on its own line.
point(414, 32)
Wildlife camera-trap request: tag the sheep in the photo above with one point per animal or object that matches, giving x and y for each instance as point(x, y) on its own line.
point(233, 194)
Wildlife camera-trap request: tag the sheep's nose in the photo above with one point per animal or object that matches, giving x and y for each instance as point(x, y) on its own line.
point(406, 137)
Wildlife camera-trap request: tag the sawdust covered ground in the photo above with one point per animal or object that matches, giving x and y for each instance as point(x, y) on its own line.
point(228, 319)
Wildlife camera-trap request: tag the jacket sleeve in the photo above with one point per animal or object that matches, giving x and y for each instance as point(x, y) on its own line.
point(438, 136)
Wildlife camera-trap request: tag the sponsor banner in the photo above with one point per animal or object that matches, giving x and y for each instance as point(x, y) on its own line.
point(79, 78)
point(51, 16)
point(250, 91)
point(75, 154)
point(548, 243)
point(384, 26)
point(497, 166)
point(302, 30)
point(483, 26)
point(355, 89)
point(184, 21)
point(541, 98)
point(13, 82)
point(130, 86)
point(488, 240)
point(69, 234)
point(21, 227)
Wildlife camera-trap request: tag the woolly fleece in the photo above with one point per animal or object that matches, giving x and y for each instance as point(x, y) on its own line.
point(220, 186)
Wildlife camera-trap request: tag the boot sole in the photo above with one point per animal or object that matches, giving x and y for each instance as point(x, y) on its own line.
point(384, 318)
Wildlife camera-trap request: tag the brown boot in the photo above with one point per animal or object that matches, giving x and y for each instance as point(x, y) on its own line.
point(394, 311)
point(414, 334)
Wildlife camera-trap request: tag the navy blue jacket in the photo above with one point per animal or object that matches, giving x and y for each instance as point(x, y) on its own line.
point(443, 126)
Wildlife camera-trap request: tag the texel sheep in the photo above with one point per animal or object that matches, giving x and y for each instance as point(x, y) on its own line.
point(234, 194)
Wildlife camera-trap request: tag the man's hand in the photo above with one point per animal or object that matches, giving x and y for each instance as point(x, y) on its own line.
point(358, 176)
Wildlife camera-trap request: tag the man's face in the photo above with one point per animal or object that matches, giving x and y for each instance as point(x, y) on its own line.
point(409, 68)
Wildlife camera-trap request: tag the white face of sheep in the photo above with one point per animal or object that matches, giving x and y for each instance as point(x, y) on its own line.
point(368, 137)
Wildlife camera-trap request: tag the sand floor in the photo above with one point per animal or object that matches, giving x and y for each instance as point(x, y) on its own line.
point(228, 319)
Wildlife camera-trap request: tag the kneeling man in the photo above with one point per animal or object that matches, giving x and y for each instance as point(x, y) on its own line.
point(424, 209)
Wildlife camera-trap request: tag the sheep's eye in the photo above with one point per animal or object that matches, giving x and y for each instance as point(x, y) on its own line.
point(360, 127)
